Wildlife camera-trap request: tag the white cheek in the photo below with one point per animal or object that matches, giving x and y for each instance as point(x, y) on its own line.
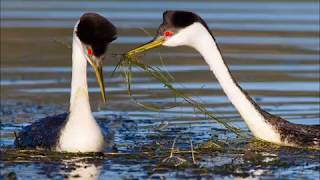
point(186, 36)
point(176, 40)
point(169, 43)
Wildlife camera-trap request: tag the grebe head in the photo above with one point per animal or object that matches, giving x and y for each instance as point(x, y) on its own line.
point(95, 33)
point(179, 28)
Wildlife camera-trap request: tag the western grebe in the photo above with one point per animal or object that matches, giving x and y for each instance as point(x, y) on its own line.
point(181, 28)
point(77, 131)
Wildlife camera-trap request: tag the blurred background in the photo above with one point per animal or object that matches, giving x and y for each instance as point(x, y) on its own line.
point(271, 47)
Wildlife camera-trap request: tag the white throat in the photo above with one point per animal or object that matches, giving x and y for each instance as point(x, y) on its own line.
point(81, 132)
point(205, 44)
point(79, 85)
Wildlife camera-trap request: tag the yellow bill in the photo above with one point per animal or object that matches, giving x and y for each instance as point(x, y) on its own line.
point(146, 47)
point(99, 76)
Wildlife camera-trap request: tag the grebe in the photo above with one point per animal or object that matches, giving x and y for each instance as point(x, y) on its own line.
point(182, 28)
point(77, 131)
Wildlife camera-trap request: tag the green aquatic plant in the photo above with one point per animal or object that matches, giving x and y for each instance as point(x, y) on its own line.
point(173, 160)
point(209, 146)
point(126, 63)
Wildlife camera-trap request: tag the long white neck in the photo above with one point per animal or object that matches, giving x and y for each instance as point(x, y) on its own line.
point(81, 132)
point(205, 44)
point(79, 85)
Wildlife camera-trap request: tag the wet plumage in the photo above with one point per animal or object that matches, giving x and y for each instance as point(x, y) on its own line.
point(45, 133)
point(42, 134)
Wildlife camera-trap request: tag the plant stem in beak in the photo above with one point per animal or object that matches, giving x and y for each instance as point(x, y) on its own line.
point(147, 46)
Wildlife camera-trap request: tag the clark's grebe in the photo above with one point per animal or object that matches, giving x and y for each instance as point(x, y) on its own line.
point(181, 28)
point(77, 131)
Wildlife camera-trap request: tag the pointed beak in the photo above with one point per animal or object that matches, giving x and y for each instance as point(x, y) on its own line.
point(97, 67)
point(152, 44)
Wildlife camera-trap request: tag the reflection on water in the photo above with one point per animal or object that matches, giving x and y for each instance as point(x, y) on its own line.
point(82, 170)
point(289, 86)
point(272, 48)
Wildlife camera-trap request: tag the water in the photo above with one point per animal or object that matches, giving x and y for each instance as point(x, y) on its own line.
point(272, 48)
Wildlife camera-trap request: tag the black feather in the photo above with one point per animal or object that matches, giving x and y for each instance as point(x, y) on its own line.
point(96, 31)
point(174, 20)
point(43, 134)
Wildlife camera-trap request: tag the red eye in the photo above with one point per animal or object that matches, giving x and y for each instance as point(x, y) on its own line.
point(167, 33)
point(89, 51)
